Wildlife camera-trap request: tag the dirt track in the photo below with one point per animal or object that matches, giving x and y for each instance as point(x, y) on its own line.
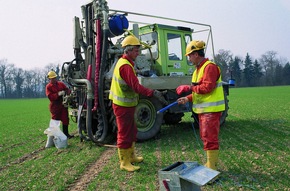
point(92, 171)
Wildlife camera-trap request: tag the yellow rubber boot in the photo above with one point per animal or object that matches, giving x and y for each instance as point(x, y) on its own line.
point(212, 158)
point(125, 163)
point(135, 158)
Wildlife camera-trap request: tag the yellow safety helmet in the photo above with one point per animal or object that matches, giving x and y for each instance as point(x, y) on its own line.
point(51, 74)
point(131, 40)
point(194, 46)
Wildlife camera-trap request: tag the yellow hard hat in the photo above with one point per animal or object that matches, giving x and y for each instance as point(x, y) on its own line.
point(131, 40)
point(194, 46)
point(51, 74)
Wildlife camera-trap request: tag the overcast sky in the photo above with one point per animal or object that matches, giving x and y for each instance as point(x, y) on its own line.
point(34, 33)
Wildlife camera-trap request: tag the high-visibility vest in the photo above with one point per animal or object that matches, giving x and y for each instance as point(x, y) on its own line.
point(120, 92)
point(210, 102)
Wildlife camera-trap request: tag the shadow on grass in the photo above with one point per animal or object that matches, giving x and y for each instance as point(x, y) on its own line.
point(249, 180)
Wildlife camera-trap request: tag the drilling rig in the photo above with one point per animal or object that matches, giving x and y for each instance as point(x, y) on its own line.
point(161, 65)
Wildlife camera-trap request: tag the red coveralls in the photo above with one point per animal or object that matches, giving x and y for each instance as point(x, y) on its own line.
point(127, 129)
point(209, 123)
point(57, 110)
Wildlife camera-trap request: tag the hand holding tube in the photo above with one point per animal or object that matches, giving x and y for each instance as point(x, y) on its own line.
point(182, 100)
point(167, 107)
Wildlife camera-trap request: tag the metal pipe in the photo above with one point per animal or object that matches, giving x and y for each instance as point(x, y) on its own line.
point(89, 106)
point(88, 84)
point(88, 63)
point(159, 17)
point(169, 19)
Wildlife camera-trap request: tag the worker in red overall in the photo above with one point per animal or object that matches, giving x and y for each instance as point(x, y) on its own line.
point(55, 90)
point(207, 98)
point(124, 93)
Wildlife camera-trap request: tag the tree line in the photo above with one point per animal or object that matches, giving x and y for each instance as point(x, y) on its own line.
point(268, 70)
point(19, 83)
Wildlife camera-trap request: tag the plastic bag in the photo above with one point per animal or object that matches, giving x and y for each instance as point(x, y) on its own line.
point(49, 142)
point(59, 138)
point(59, 143)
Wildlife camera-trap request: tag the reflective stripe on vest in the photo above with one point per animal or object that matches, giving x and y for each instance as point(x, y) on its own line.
point(211, 102)
point(123, 99)
point(120, 92)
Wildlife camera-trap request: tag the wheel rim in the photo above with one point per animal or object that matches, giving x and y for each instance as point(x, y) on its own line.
point(145, 115)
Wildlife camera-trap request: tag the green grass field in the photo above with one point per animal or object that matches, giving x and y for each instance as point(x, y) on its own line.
point(254, 149)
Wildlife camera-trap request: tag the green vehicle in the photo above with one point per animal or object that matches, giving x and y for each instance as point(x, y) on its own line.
point(162, 65)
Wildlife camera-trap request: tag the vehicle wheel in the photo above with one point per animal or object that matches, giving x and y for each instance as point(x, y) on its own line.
point(112, 126)
point(223, 117)
point(146, 118)
point(225, 112)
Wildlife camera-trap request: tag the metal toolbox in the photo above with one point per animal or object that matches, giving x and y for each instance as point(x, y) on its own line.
point(185, 176)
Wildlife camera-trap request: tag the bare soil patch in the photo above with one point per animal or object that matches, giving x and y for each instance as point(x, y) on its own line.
point(27, 157)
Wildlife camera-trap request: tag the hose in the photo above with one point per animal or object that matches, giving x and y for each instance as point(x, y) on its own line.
point(192, 125)
point(98, 62)
point(101, 85)
point(187, 106)
point(167, 107)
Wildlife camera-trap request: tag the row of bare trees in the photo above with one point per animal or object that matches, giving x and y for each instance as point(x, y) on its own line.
point(18, 83)
point(268, 70)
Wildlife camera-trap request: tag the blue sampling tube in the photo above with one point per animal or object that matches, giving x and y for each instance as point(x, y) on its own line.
point(167, 107)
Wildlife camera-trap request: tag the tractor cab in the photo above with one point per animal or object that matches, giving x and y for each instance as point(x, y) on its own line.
point(167, 51)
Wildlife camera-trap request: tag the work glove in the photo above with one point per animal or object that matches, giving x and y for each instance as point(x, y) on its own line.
point(183, 88)
point(160, 97)
point(61, 93)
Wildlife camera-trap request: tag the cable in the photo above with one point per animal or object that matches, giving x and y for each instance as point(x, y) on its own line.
point(192, 125)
